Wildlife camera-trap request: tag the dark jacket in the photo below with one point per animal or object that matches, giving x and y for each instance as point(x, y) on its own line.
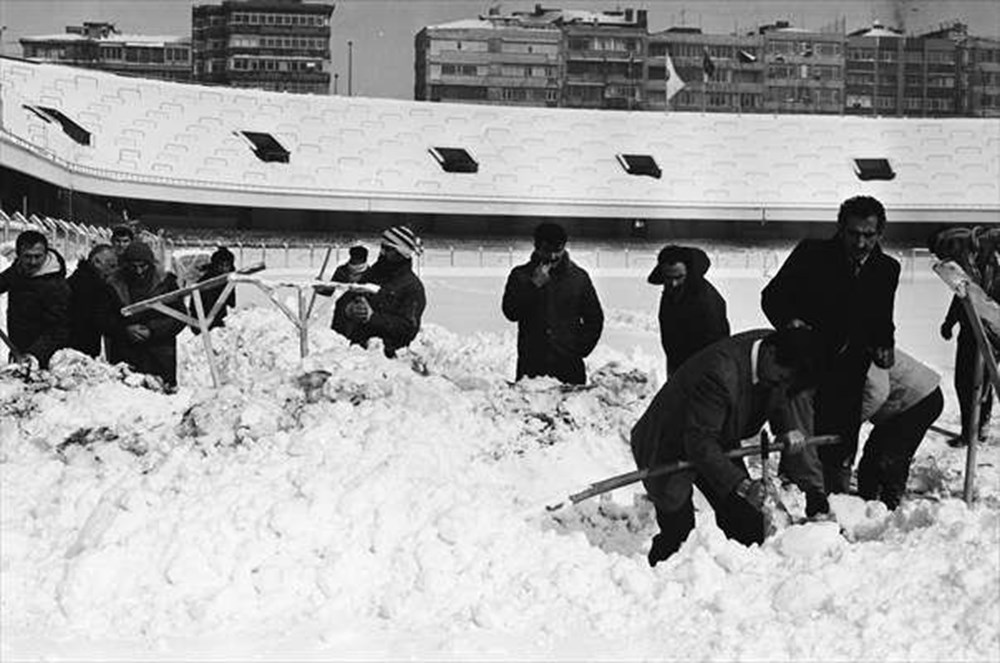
point(38, 313)
point(705, 409)
point(158, 354)
point(695, 319)
point(344, 274)
point(396, 308)
point(558, 324)
point(209, 296)
point(817, 286)
point(94, 310)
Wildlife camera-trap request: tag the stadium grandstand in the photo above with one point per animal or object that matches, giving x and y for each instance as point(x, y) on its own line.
point(185, 155)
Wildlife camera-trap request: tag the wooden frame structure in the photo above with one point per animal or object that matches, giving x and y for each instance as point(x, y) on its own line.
point(979, 309)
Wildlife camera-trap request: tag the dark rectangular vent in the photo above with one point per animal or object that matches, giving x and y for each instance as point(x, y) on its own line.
point(69, 127)
point(873, 169)
point(266, 146)
point(455, 160)
point(639, 164)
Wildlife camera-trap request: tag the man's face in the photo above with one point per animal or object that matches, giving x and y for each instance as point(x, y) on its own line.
point(548, 253)
point(860, 235)
point(105, 262)
point(32, 258)
point(674, 276)
point(139, 268)
point(769, 371)
point(390, 254)
point(120, 242)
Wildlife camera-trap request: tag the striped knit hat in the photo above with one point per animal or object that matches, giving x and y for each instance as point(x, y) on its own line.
point(403, 240)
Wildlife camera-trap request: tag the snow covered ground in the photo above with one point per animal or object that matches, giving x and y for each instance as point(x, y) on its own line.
point(354, 507)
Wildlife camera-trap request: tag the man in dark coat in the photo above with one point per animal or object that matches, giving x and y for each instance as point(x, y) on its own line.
point(222, 262)
point(558, 315)
point(722, 395)
point(150, 344)
point(692, 312)
point(355, 267)
point(393, 313)
point(38, 307)
point(94, 309)
point(844, 288)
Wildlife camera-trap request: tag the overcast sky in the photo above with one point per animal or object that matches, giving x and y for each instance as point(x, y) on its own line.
point(383, 30)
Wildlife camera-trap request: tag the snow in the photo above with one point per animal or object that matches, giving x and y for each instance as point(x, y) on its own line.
point(354, 507)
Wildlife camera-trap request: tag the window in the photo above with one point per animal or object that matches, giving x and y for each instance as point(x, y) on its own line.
point(873, 169)
point(265, 146)
point(454, 159)
point(69, 127)
point(639, 164)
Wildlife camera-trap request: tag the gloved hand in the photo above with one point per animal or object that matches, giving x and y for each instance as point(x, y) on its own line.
point(946, 330)
point(359, 310)
point(794, 441)
point(137, 333)
point(751, 492)
point(884, 357)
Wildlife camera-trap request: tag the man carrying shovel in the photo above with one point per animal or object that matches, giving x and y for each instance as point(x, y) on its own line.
point(720, 396)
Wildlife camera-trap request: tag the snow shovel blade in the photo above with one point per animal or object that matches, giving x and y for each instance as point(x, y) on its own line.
point(628, 478)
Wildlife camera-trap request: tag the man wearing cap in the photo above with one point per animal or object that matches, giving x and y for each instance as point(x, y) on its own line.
point(692, 312)
point(38, 310)
point(393, 313)
point(352, 270)
point(149, 342)
point(721, 396)
point(558, 315)
point(222, 262)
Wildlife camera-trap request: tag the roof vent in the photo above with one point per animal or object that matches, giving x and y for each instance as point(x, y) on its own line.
point(265, 146)
point(71, 128)
point(873, 169)
point(455, 160)
point(639, 164)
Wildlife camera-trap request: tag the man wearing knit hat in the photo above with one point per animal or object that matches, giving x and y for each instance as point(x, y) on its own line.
point(149, 341)
point(393, 313)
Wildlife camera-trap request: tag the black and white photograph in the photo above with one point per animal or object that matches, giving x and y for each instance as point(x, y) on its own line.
point(499, 330)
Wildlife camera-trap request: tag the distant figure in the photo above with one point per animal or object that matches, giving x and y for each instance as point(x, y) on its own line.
point(558, 315)
point(94, 309)
point(121, 237)
point(844, 288)
point(721, 396)
point(150, 339)
point(38, 320)
point(352, 270)
point(692, 312)
point(902, 403)
point(393, 313)
point(222, 262)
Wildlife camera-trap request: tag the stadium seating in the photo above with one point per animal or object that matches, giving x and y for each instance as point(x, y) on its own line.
point(179, 138)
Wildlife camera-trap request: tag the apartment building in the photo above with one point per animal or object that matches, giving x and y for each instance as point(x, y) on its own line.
point(605, 56)
point(980, 82)
point(279, 45)
point(98, 45)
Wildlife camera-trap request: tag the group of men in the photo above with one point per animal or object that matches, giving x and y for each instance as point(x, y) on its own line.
point(47, 310)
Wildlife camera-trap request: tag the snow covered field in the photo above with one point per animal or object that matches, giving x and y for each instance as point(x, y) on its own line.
point(354, 507)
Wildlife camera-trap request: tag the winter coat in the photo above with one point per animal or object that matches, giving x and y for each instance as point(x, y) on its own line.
point(704, 410)
point(38, 310)
point(396, 308)
point(94, 310)
point(816, 285)
point(345, 274)
point(896, 390)
point(209, 296)
point(695, 319)
point(158, 354)
point(558, 324)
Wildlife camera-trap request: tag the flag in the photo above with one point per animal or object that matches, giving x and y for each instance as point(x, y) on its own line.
point(673, 82)
point(746, 57)
point(706, 64)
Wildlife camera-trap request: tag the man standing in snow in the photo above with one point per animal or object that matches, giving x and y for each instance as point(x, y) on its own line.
point(38, 310)
point(558, 315)
point(355, 267)
point(722, 395)
point(222, 262)
point(94, 308)
point(393, 313)
point(692, 312)
point(845, 289)
point(902, 403)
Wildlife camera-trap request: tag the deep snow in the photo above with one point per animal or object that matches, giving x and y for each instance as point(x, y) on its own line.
point(354, 507)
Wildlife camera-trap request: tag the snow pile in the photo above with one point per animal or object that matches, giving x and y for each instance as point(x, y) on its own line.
point(391, 508)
